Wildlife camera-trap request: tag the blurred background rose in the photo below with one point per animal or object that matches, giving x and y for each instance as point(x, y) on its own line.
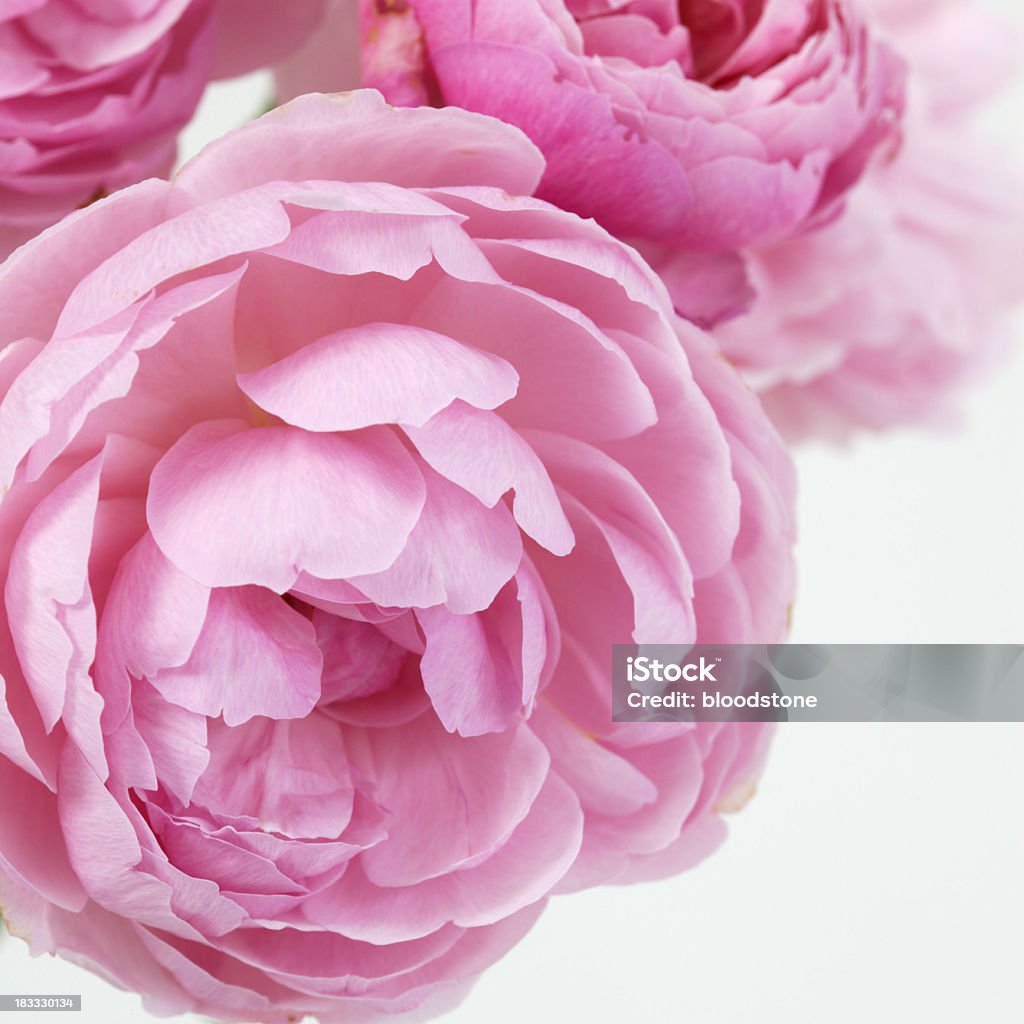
point(887, 314)
point(93, 93)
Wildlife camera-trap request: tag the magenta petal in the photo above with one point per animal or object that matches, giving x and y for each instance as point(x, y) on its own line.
point(598, 165)
point(603, 781)
point(91, 819)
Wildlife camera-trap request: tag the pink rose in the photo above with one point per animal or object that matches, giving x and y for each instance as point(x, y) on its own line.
point(331, 470)
point(883, 316)
point(691, 128)
point(960, 51)
point(94, 92)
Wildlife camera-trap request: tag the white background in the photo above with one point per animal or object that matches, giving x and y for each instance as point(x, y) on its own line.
point(879, 874)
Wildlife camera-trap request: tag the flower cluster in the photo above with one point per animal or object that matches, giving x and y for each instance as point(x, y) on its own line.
point(333, 464)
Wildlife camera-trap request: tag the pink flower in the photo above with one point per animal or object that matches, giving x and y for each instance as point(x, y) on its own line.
point(692, 128)
point(331, 470)
point(94, 92)
point(883, 316)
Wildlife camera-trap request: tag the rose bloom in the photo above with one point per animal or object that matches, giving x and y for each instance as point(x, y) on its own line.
point(881, 317)
point(332, 470)
point(94, 92)
point(692, 128)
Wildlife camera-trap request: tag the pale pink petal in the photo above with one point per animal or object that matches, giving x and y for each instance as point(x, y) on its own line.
point(448, 442)
point(481, 789)
point(292, 777)
point(232, 506)
point(176, 739)
point(254, 656)
point(152, 620)
point(378, 373)
point(195, 238)
point(460, 554)
point(500, 652)
point(32, 848)
point(50, 611)
point(357, 137)
point(521, 871)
